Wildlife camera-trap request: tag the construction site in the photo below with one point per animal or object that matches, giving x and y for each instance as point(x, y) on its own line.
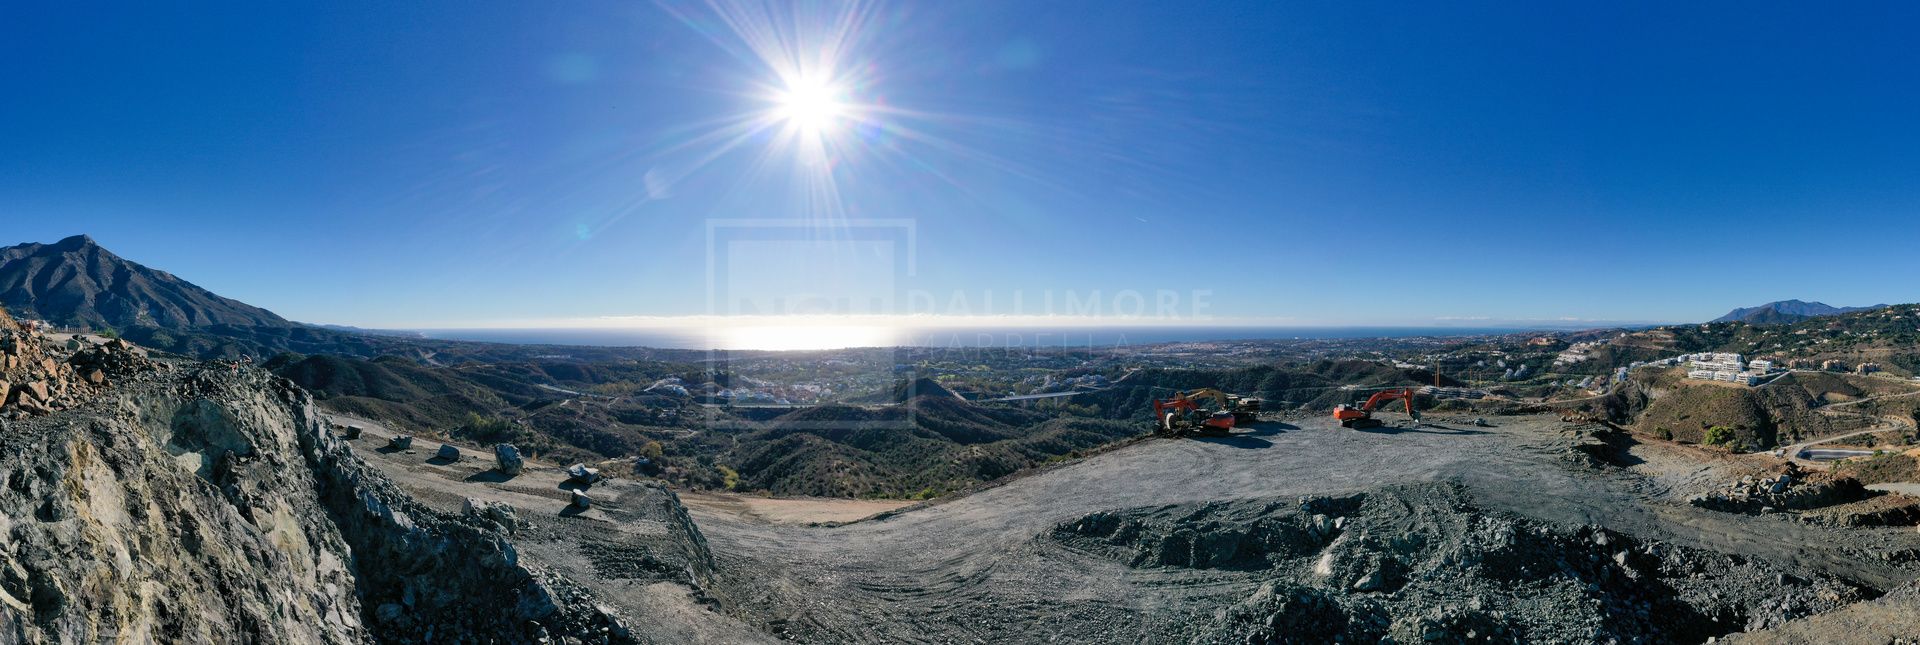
point(1231, 524)
point(1369, 514)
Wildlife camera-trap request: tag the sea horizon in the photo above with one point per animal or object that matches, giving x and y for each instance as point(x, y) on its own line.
point(978, 337)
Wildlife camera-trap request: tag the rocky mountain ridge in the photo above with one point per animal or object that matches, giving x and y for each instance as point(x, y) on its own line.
point(77, 283)
point(1787, 311)
point(210, 502)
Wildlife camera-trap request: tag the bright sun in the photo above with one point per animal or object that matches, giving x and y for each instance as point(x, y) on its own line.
point(811, 106)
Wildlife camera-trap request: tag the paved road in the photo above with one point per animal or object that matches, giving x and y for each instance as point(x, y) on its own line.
point(1818, 454)
point(1049, 395)
point(1882, 424)
point(1872, 398)
point(1795, 450)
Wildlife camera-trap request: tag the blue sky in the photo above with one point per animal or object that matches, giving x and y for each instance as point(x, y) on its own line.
point(452, 163)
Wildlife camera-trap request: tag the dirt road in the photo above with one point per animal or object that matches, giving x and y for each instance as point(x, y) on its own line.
point(791, 510)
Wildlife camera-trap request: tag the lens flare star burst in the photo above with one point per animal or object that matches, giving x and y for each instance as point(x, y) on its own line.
point(811, 88)
point(812, 107)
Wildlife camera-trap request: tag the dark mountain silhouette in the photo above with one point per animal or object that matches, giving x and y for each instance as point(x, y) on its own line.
point(76, 283)
point(1787, 311)
point(923, 386)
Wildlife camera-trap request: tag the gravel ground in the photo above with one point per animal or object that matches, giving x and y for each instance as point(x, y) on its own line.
point(632, 547)
point(994, 566)
point(985, 568)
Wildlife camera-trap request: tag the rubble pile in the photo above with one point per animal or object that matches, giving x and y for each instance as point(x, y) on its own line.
point(38, 376)
point(1593, 443)
point(1790, 489)
point(500, 515)
point(1878, 510)
point(1422, 563)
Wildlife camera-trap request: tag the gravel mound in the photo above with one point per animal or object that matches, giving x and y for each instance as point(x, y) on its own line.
point(40, 376)
point(1879, 510)
point(1422, 563)
point(1788, 490)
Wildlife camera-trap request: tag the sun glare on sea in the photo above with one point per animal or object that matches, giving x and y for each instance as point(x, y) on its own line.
point(805, 337)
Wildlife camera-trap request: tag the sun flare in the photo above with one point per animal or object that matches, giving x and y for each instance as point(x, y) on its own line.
point(811, 106)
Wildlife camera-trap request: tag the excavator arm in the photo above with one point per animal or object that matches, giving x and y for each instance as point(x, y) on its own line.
point(1361, 416)
point(1176, 413)
point(1387, 396)
point(1219, 398)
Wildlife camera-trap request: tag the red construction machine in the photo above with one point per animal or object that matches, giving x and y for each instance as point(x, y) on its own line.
point(1360, 415)
point(1183, 412)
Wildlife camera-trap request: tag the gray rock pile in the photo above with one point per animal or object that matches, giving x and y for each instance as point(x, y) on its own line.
point(1591, 443)
point(1421, 563)
point(38, 376)
point(502, 516)
point(1788, 490)
point(1889, 509)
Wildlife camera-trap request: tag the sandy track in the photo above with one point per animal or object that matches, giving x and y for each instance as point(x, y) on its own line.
point(792, 510)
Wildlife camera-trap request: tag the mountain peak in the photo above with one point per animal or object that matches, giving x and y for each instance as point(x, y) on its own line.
point(77, 283)
point(74, 243)
point(1787, 311)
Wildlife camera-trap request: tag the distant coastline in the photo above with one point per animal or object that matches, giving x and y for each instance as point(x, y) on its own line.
point(956, 337)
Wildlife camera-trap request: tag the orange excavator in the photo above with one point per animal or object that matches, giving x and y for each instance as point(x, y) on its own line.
point(1183, 412)
point(1361, 415)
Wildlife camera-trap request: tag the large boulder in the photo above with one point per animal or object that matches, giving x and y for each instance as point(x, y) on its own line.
point(497, 513)
point(509, 459)
point(448, 452)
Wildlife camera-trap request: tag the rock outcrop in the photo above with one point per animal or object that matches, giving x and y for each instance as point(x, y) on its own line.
point(39, 375)
point(215, 505)
point(1421, 563)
